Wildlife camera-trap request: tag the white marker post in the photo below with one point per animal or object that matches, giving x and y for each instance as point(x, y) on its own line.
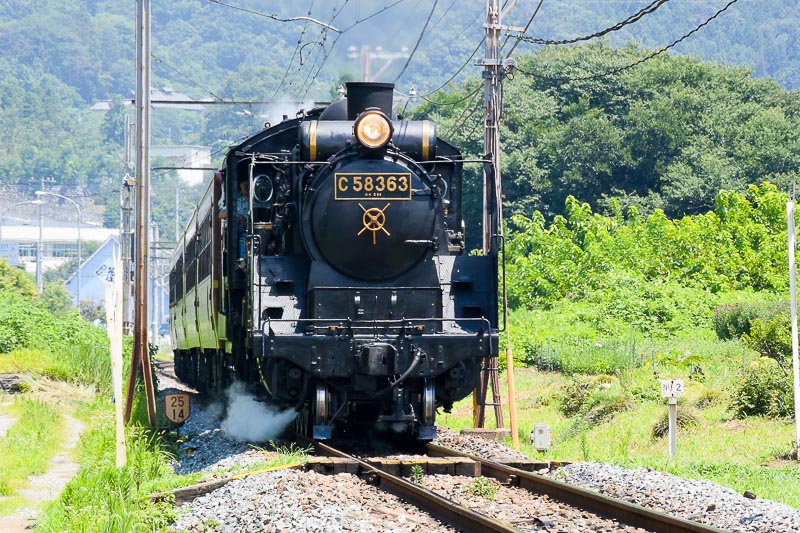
point(793, 300)
point(113, 303)
point(672, 389)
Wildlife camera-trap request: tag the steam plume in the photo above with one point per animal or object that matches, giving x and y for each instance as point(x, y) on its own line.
point(250, 421)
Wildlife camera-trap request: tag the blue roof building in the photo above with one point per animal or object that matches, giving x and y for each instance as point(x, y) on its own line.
point(98, 269)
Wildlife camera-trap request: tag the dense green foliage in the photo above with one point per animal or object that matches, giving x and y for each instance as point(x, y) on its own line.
point(652, 272)
point(764, 388)
point(48, 336)
point(104, 498)
point(668, 134)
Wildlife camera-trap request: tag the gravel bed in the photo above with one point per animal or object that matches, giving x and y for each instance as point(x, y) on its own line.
point(487, 449)
point(701, 501)
point(208, 448)
point(293, 501)
point(521, 508)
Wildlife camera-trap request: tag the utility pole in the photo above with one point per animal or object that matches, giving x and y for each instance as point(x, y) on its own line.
point(177, 215)
point(39, 244)
point(141, 353)
point(39, 277)
point(493, 74)
point(366, 55)
point(154, 277)
point(126, 234)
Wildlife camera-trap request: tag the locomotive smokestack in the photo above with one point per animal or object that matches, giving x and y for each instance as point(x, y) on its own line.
point(364, 94)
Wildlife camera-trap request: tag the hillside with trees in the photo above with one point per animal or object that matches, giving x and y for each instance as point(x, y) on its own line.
point(57, 60)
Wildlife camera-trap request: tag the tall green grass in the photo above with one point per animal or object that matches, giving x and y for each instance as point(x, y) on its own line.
point(103, 498)
point(29, 443)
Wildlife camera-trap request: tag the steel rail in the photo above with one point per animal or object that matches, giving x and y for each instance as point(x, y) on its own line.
point(462, 518)
point(623, 511)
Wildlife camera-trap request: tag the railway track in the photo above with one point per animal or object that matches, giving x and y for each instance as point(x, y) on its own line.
point(463, 518)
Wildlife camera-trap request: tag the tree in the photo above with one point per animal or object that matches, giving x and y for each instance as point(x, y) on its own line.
point(56, 298)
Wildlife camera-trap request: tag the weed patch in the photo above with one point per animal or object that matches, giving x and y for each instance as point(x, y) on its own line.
point(29, 444)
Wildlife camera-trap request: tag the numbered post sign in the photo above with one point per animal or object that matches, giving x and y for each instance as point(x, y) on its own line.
point(672, 388)
point(177, 407)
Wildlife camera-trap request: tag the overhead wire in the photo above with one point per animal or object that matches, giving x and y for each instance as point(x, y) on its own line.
point(648, 9)
point(465, 116)
point(273, 16)
point(327, 53)
point(323, 36)
point(294, 54)
point(635, 63)
point(527, 26)
point(419, 40)
point(187, 77)
point(462, 32)
point(450, 79)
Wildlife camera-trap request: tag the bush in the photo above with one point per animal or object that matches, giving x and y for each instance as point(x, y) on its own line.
point(771, 336)
point(687, 417)
point(763, 389)
point(732, 321)
point(575, 395)
point(56, 298)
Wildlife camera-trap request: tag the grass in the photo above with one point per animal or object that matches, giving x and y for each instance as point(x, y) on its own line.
point(739, 454)
point(74, 363)
point(104, 498)
point(29, 444)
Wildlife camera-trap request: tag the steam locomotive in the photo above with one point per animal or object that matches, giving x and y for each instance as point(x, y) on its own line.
point(326, 262)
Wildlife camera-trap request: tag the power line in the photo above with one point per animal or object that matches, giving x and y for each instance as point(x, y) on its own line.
point(450, 79)
point(185, 76)
point(650, 8)
point(528, 25)
point(419, 40)
point(462, 32)
point(466, 115)
point(454, 102)
point(336, 40)
point(323, 36)
point(276, 17)
point(294, 54)
point(635, 63)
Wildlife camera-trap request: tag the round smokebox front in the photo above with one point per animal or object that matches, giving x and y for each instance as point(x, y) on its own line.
point(371, 219)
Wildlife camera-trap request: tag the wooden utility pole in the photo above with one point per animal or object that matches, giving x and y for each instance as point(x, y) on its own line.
point(493, 73)
point(141, 352)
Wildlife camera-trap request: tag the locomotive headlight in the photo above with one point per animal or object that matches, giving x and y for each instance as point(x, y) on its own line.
point(373, 129)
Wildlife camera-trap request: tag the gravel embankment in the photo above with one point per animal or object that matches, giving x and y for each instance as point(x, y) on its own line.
point(521, 508)
point(701, 501)
point(353, 509)
point(292, 501)
point(487, 449)
point(208, 448)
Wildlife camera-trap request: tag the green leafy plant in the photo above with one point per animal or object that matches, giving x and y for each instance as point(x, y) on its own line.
point(416, 474)
point(764, 388)
point(483, 487)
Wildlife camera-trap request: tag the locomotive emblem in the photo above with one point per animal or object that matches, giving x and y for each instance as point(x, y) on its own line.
point(373, 220)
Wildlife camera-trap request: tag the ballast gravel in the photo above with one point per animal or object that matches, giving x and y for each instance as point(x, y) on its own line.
point(700, 501)
point(519, 507)
point(487, 449)
point(293, 501)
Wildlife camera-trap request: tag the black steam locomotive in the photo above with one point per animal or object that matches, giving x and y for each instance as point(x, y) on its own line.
point(326, 262)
